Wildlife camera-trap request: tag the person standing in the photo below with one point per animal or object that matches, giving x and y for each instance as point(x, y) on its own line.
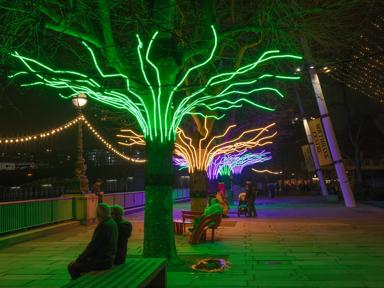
point(101, 251)
point(251, 197)
point(124, 232)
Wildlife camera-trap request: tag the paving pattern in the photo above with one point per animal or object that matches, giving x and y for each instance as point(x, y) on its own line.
point(294, 242)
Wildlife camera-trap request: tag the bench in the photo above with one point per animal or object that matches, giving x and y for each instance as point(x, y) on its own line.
point(187, 217)
point(135, 273)
point(209, 222)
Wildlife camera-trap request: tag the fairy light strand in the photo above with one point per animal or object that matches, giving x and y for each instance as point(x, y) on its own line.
point(57, 130)
point(266, 171)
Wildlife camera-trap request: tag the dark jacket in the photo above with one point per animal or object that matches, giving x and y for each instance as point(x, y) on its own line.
point(125, 230)
point(251, 195)
point(103, 246)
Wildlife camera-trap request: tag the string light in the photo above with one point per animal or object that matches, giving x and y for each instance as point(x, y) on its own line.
point(153, 104)
point(52, 132)
point(365, 72)
point(108, 145)
point(266, 171)
point(41, 135)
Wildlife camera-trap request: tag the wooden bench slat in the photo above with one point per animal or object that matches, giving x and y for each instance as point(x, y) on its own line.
point(134, 273)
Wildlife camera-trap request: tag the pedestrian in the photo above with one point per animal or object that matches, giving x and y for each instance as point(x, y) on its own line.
point(251, 196)
point(96, 189)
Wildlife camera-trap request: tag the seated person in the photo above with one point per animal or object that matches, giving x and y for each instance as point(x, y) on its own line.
point(223, 202)
point(101, 251)
point(213, 207)
point(124, 232)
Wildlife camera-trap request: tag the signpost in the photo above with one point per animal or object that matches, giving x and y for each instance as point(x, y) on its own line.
point(320, 142)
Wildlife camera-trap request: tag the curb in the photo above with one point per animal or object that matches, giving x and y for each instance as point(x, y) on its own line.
point(15, 238)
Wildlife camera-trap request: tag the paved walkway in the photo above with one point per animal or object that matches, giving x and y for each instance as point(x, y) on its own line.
point(294, 242)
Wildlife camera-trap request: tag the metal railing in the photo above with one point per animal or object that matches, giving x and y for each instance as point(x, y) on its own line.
point(26, 214)
point(18, 193)
point(135, 199)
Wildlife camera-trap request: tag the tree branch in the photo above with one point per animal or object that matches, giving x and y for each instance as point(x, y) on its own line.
point(61, 26)
point(66, 30)
point(110, 45)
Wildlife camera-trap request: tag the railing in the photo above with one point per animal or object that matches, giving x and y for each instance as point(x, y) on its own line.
point(137, 199)
point(20, 215)
point(29, 192)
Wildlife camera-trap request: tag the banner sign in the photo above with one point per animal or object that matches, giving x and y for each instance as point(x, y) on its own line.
point(308, 158)
point(320, 142)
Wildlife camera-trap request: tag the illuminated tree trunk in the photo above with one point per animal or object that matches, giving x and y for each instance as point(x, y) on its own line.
point(198, 190)
point(159, 240)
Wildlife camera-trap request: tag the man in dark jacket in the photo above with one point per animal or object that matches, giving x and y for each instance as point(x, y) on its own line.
point(125, 230)
point(101, 251)
point(251, 196)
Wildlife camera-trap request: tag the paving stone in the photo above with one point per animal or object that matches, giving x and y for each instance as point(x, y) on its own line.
point(295, 242)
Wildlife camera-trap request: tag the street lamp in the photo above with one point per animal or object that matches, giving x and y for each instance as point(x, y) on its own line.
point(80, 101)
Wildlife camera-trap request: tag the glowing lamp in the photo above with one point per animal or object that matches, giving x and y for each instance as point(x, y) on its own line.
point(80, 100)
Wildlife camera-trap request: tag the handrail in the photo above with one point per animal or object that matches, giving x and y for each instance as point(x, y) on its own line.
point(34, 200)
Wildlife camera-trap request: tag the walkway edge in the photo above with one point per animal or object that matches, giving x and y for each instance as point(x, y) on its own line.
point(16, 238)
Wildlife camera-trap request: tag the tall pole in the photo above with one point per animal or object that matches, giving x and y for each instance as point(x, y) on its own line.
point(80, 162)
point(349, 198)
point(345, 187)
point(79, 101)
point(318, 171)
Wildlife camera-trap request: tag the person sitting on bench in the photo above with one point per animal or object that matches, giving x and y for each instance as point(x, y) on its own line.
point(124, 232)
point(214, 207)
point(101, 251)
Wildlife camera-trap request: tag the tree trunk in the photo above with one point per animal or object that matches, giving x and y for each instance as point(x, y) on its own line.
point(198, 190)
point(159, 240)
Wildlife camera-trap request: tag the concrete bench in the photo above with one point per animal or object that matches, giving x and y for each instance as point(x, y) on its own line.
point(135, 273)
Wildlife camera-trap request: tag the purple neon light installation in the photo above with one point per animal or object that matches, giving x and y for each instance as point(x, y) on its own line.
point(235, 163)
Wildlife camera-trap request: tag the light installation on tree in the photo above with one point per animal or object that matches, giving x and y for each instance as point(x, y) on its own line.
point(180, 162)
point(153, 107)
point(158, 103)
point(200, 155)
point(227, 164)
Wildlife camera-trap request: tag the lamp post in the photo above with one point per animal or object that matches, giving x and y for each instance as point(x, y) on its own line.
point(80, 101)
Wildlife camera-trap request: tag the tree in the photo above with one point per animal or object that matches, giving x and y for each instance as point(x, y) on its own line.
point(154, 97)
point(199, 156)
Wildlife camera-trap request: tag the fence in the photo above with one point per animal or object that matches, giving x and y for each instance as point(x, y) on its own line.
point(19, 215)
point(30, 213)
point(137, 199)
